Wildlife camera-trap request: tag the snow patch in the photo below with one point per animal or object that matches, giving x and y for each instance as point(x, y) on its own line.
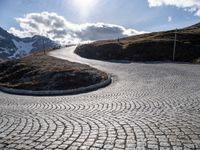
point(1, 37)
point(22, 48)
point(4, 50)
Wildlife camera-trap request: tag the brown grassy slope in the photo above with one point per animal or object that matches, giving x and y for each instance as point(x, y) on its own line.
point(147, 47)
point(42, 72)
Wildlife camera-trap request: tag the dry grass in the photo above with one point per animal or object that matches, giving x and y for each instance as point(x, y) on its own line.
point(155, 46)
point(42, 72)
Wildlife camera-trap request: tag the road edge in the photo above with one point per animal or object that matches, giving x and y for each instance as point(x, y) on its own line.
point(58, 92)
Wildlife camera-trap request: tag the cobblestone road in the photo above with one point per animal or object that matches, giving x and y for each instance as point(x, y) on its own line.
point(148, 106)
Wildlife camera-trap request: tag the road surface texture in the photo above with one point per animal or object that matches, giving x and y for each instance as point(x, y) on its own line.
point(148, 106)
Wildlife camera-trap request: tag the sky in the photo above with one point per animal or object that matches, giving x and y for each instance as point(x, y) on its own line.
point(74, 21)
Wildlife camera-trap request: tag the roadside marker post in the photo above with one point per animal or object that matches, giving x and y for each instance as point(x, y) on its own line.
point(174, 50)
point(44, 47)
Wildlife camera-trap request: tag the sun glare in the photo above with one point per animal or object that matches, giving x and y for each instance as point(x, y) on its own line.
point(85, 6)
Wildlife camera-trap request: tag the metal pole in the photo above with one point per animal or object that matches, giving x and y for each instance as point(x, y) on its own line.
point(44, 47)
point(175, 39)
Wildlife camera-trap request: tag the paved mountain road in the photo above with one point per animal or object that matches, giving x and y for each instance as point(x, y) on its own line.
point(148, 106)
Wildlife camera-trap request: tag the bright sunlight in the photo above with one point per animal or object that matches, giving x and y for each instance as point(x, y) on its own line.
point(85, 6)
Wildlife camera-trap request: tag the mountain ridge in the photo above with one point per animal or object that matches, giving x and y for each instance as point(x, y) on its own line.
point(13, 47)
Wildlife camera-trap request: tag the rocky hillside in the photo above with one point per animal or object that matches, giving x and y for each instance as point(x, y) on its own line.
point(12, 47)
point(157, 46)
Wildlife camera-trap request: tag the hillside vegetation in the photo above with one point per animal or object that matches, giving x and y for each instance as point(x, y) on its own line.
point(156, 46)
point(40, 72)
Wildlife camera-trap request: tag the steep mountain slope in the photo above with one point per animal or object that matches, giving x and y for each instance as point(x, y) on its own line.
point(12, 47)
point(155, 46)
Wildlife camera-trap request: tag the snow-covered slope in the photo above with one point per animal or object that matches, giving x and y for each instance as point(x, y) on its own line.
point(12, 47)
point(23, 48)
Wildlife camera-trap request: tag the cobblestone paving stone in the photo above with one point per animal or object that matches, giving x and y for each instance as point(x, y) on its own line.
point(148, 106)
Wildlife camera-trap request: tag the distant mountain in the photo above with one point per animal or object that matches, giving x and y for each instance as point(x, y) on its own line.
point(12, 47)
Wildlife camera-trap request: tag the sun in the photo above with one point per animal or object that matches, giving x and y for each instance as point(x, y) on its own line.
point(85, 6)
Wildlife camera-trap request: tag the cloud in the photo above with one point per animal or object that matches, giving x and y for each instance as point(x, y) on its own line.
point(59, 29)
point(188, 5)
point(169, 19)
